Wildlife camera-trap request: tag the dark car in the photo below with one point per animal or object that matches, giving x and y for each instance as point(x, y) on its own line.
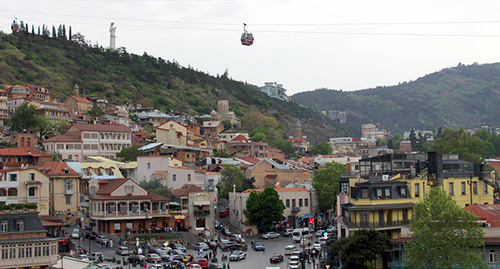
point(174, 265)
point(136, 259)
point(90, 235)
point(230, 246)
point(276, 258)
point(258, 246)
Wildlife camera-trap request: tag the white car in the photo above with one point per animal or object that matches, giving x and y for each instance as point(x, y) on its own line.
point(320, 233)
point(83, 257)
point(317, 247)
point(270, 235)
point(194, 266)
point(237, 255)
point(75, 233)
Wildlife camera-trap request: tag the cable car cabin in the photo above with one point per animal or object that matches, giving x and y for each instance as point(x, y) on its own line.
point(14, 26)
point(246, 39)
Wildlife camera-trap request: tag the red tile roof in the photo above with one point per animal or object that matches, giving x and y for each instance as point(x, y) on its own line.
point(62, 138)
point(252, 160)
point(185, 190)
point(240, 139)
point(57, 168)
point(23, 152)
point(101, 127)
point(80, 99)
point(112, 185)
point(161, 172)
point(489, 212)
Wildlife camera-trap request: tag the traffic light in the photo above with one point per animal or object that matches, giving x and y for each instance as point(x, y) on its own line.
point(311, 220)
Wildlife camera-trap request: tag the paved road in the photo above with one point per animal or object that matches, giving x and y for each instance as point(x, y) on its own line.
point(254, 259)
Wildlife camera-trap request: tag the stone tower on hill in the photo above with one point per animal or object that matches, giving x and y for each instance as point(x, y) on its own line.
point(297, 129)
point(223, 103)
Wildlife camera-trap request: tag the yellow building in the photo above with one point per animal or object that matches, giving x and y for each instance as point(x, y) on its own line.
point(391, 186)
point(172, 133)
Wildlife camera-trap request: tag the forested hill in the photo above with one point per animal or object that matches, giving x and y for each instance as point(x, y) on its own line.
point(462, 96)
point(121, 77)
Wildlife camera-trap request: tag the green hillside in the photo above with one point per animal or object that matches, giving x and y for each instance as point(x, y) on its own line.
point(121, 77)
point(462, 96)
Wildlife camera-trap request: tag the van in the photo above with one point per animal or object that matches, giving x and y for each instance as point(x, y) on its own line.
point(298, 234)
point(290, 249)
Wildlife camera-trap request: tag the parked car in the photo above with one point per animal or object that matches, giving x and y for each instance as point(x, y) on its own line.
point(153, 257)
point(97, 256)
point(90, 235)
point(270, 235)
point(322, 240)
point(290, 249)
point(276, 258)
point(177, 246)
point(258, 246)
point(202, 262)
point(194, 266)
point(75, 233)
point(319, 233)
point(214, 266)
point(136, 259)
point(156, 266)
point(83, 257)
point(101, 239)
point(201, 245)
point(230, 246)
point(174, 264)
point(237, 255)
point(162, 253)
point(122, 251)
point(224, 213)
point(288, 232)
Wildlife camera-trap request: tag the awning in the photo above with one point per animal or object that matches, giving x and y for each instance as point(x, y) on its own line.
point(306, 216)
point(201, 202)
point(174, 203)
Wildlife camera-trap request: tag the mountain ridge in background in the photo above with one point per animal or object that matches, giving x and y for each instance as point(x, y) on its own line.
point(461, 96)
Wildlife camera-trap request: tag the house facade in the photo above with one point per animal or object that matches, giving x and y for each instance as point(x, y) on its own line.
point(172, 133)
point(20, 157)
point(268, 172)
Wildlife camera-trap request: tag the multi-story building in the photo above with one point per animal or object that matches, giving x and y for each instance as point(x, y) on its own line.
point(24, 242)
point(212, 129)
point(268, 172)
point(228, 135)
point(297, 202)
point(66, 187)
point(274, 90)
point(123, 205)
point(24, 140)
point(201, 212)
point(53, 110)
point(25, 185)
point(157, 117)
point(172, 133)
point(77, 103)
point(81, 140)
point(244, 147)
point(4, 107)
point(223, 113)
point(371, 130)
point(20, 157)
point(147, 165)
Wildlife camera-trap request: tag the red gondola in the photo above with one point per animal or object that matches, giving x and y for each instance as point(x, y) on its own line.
point(15, 26)
point(246, 37)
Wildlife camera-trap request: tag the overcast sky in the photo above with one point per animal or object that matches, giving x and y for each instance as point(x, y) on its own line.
point(304, 45)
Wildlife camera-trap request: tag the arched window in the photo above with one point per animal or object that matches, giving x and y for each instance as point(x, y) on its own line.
point(12, 192)
point(3, 192)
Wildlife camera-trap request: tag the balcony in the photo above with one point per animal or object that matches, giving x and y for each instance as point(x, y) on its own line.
point(295, 210)
point(130, 214)
point(201, 212)
point(374, 225)
point(69, 191)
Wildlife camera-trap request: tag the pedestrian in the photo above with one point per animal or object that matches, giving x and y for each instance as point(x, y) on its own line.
point(228, 266)
point(119, 241)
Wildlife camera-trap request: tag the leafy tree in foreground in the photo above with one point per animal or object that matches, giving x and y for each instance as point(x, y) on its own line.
point(221, 153)
point(322, 148)
point(96, 111)
point(25, 117)
point(131, 153)
point(233, 175)
point(469, 148)
point(443, 235)
point(326, 183)
point(360, 249)
point(264, 208)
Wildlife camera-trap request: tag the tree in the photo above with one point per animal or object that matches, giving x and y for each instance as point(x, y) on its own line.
point(322, 148)
point(227, 124)
point(232, 175)
point(131, 153)
point(326, 183)
point(286, 146)
point(45, 126)
point(413, 138)
point(264, 208)
point(360, 249)
point(96, 111)
point(25, 117)
point(221, 153)
point(259, 137)
point(443, 235)
point(469, 148)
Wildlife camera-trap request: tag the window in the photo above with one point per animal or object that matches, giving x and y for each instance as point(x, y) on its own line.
point(94, 136)
point(403, 192)
point(86, 146)
point(32, 176)
point(60, 146)
point(450, 190)
point(4, 226)
point(86, 135)
point(364, 193)
point(200, 223)
point(12, 192)
point(189, 177)
point(405, 214)
point(287, 202)
point(300, 202)
point(485, 188)
point(474, 187)
point(149, 165)
point(387, 193)
point(68, 184)
point(32, 191)
point(69, 146)
point(94, 146)
point(379, 193)
point(13, 177)
point(306, 202)
point(129, 189)
point(463, 188)
point(417, 189)
point(344, 186)
point(3, 192)
point(493, 256)
point(68, 200)
point(78, 146)
point(174, 177)
point(293, 203)
point(19, 225)
point(364, 216)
